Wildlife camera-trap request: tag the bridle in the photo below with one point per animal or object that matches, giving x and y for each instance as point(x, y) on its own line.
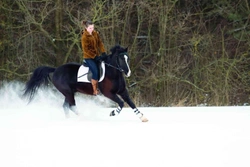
point(118, 67)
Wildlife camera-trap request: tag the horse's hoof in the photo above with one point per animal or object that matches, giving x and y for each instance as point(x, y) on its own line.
point(112, 113)
point(144, 119)
point(77, 113)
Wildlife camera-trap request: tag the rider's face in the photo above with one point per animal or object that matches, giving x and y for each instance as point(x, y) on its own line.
point(90, 29)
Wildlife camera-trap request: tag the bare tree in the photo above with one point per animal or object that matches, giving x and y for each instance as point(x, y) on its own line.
point(182, 52)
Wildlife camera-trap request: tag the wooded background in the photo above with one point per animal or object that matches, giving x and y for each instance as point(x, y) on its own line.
point(183, 52)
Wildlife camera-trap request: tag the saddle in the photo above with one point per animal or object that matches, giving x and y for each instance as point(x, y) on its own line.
point(85, 75)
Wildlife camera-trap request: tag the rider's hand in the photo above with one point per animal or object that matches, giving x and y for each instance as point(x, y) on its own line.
point(102, 57)
point(97, 58)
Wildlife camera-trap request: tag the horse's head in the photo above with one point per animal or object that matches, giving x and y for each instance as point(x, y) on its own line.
point(121, 59)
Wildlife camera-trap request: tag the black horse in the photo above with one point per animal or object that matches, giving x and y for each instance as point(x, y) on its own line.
point(65, 79)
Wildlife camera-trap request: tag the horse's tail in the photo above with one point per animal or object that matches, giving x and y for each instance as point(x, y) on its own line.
point(40, 76)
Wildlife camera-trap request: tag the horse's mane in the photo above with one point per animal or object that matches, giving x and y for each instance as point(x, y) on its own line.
point(115, 48)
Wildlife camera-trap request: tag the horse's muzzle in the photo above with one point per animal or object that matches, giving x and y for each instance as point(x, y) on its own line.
point(128, 74)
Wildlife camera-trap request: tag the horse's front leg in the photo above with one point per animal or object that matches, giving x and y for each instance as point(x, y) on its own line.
point(126, 98)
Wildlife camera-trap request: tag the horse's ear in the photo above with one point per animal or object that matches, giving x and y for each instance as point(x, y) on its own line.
point(126, 49)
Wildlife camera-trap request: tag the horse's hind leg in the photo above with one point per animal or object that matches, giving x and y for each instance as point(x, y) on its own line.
point(66, 108)
point(69, 104)
point(74, 109)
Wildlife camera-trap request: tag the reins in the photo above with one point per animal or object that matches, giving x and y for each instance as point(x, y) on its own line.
point(118, 66)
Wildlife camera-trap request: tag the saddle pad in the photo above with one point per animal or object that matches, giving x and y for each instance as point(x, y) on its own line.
point(84, 74)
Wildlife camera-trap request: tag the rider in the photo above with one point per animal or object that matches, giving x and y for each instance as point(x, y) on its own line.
point(93, 51)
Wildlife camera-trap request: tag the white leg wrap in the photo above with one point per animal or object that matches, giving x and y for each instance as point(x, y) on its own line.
point(118, 110)
point(138, 113)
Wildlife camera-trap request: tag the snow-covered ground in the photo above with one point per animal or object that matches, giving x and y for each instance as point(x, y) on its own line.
point(38, 134)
